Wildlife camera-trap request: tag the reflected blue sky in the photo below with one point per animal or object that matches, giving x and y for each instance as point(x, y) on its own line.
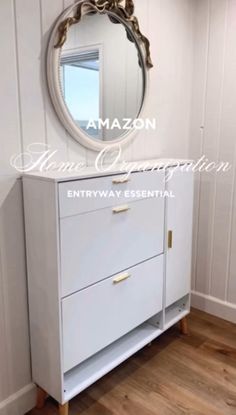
point(81, 89)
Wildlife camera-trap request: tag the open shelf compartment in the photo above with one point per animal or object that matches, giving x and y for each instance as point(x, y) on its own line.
point(88, 372)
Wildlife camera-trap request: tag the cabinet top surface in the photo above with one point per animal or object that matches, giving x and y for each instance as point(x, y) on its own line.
point(83, 172)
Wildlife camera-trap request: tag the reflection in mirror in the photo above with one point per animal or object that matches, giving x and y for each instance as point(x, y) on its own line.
point(101, 76)
point(80, 72)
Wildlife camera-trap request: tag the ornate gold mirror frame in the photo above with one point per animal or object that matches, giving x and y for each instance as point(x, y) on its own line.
point(123, 9)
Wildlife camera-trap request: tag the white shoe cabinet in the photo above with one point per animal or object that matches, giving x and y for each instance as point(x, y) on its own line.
point(106, 276)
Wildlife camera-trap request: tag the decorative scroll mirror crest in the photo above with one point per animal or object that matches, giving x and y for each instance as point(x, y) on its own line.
point(98, 69)
point(103, 6)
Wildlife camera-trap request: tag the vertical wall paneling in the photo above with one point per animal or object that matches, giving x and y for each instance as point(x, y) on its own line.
point(56, 136)
point(3, 344)
point(224, 182)
point(173, 71)
point(201, 12)
point(229, 124)
point(212, 107)
point(28, 35)
point(153, 108)
point(10, 121)
point(14, 345)
point(214, 275)
point(231, 283)
point(13, 289)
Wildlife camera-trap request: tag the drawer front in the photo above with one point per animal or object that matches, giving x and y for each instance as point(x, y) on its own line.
point(73, 199)
point(99, 244)
point(96, 316)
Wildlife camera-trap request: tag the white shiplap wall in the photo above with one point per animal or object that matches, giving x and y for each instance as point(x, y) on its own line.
point(213, 133)
point(27, 116)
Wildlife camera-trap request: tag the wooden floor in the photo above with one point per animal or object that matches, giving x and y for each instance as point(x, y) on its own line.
point(194, 374)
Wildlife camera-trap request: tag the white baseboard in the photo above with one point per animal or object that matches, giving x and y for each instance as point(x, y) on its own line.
point(214, 306)
point(20, 402)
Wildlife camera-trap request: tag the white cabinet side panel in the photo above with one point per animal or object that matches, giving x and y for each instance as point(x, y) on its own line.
point(40, 203)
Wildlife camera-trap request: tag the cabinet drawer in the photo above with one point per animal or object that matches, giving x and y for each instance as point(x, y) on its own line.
point(96, 316)
point(99, 244)
point(73, 201)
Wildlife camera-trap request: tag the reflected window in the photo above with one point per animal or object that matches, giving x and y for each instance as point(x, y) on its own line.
point(80, 75)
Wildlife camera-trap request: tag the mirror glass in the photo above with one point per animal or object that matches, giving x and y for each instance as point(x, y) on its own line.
point(102, 76)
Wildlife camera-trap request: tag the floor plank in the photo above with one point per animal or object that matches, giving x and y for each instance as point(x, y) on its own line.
point(176, 375)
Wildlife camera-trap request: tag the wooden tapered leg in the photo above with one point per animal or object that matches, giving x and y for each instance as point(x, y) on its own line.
point(64, 409)
point(184, 326)
point(41, 398)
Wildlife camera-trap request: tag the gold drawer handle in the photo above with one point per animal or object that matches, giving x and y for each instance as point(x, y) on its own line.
point(170, 239)
point(121, 209)
point(120, 181)
point(121, 278)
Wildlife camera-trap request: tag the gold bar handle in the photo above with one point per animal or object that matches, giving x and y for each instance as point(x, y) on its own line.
point(120, 181)
point(121, 278)
point(170, 239)
point(121, 209)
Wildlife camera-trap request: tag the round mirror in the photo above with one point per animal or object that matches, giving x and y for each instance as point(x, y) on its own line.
point(97, 77)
